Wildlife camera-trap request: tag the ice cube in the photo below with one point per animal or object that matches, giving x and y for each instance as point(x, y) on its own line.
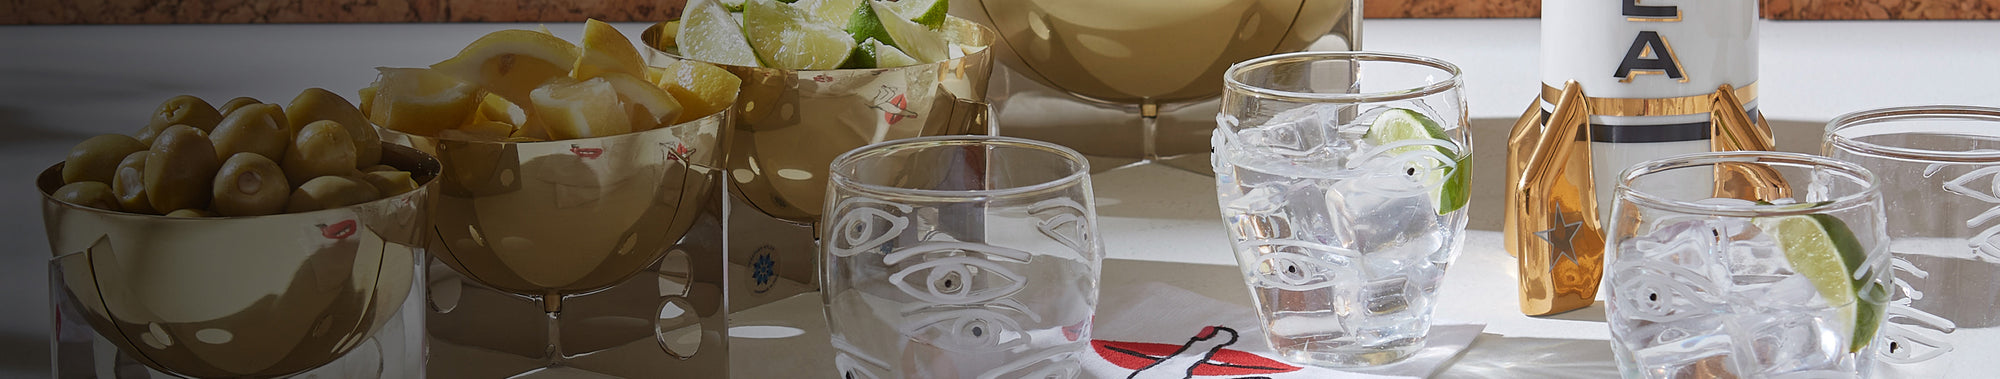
point(1300, 136)
point(1778, 343)
point(1380, 223)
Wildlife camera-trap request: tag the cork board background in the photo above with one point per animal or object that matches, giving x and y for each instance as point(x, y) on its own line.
point(1771, 9)
point(315, 11)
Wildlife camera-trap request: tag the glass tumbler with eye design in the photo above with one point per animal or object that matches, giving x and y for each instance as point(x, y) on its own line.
point(1342, 180)
point(1939, 172)
point(960, 257)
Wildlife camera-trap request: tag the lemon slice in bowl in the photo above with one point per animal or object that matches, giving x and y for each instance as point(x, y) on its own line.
point(420, 101)
point(1823, 249)
point(511, 62)
point(606, 50)
point(580, 109)
point(709, 33)
point(701, 88)
point(649, 106)
point(1401, 124)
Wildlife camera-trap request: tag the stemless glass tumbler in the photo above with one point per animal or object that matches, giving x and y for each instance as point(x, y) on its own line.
point(1786, 282)
point(960, 257)
point(1342, 178)
point(1937, 166)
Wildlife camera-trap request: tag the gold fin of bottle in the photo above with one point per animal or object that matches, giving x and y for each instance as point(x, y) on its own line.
point(1551, 222)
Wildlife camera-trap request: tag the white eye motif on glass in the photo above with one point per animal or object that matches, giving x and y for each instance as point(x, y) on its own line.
point(1661, 292)
point(1910, 335)
point(959, 273)
point(1983, 243)
point(1301, 266)
point(969, 329)
point(853, 365)
point(866, 225)
point(1060, 365)
point(1063, 220)
point(1409, 167)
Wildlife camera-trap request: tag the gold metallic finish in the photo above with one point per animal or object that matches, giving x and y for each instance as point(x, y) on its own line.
point(1672, 106)
point(1520, 144)
point(259, 296)
point(1732, 130)
point(1552, 224)
point(557, 218)
point(790, 124)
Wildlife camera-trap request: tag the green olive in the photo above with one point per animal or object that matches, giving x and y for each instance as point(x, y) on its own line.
point(191, 213)
point(316, 104)
point(390, 183)
point(186, 110)
point(250, 185)
point(328, 192)
point(322, 148)
point(96, 158)
point(234, 104)
point(90, 194)
point(180, 170)
point(255, 128)
point(148, 133)
point(129, 183)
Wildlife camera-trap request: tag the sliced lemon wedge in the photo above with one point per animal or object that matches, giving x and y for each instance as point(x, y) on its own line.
point(511, 62)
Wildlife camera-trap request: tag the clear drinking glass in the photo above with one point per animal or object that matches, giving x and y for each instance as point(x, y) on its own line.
point(960, 257)
point(1342, 177)
point(1936, 166)
point(1787, 282)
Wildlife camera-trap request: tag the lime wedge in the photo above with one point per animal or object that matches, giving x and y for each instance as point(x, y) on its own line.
point(864, 25)
point(1400, 124)
point(890, 56)
point(732, 5)
point(708, 33)
point(785, 37)
point(920, 42)
point(929, 13)
point(835, 12)
point(1824, 250)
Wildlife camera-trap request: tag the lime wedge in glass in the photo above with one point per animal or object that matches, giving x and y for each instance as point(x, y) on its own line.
point(709, 33)
point(1824, 250)
point(1399, 124)
point(929, 13)
point(786, 37)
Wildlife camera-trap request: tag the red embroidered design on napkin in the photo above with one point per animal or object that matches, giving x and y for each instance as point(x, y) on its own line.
point(1205, 352)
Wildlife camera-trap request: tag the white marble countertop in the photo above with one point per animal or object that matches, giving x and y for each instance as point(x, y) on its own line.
point(61, 84)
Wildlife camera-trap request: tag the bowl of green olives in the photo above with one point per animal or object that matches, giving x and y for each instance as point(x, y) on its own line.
point(251, 240)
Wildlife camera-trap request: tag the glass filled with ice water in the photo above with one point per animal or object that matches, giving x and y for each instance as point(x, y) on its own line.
point(1940, 175)
point(1776, 268)
point(1342, 180)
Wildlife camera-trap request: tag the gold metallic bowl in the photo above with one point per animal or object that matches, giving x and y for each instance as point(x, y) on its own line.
point(259, 296)
point(556, 218)
point(790, 124)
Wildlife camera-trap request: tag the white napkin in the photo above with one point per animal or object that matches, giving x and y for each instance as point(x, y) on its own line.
point(1156, 319)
